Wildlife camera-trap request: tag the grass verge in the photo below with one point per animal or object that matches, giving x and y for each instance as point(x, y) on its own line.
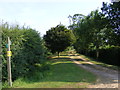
point(100, 63)
point(63, 73)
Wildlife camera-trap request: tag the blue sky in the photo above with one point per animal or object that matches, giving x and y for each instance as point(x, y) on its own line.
point(44, 14)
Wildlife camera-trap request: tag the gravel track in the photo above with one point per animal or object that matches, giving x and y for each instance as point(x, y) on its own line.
point(107, 78)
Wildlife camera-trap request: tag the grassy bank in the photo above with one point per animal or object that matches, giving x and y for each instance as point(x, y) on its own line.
point(63, 73)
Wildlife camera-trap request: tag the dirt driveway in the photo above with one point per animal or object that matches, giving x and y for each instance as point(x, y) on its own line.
point(107, 78)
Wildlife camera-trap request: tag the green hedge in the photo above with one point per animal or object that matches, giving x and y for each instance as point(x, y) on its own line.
point(109, 55)
point(27, 50)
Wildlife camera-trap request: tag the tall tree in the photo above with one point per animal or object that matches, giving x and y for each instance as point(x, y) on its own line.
point(91, 32)
point(112, 13)
point(59, 38)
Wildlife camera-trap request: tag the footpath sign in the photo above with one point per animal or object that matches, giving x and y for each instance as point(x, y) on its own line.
point(9, 53)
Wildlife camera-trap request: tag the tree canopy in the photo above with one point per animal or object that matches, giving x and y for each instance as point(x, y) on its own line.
point(98, 33)
point(58, 38)
point(91, 31)
point(112, 13)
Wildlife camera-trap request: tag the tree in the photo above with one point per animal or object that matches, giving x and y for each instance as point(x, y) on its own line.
point(58, 38)
point(74, 20)
point(112, 13)
point(92, 32)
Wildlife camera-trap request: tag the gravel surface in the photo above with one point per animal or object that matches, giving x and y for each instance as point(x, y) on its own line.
point(107, 78)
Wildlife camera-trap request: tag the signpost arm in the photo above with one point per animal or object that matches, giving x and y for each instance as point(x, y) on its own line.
point(9, 65)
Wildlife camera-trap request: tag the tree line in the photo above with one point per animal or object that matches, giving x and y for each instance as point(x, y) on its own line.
point(96, 35)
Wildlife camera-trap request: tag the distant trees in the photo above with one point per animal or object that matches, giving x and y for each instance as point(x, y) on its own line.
point(91, 32)
point(98, 33)
point(58, 38)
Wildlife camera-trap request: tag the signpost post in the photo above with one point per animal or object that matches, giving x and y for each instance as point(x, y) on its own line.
point(9, 63)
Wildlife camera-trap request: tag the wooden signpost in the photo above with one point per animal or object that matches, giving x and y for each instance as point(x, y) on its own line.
point(9, 53)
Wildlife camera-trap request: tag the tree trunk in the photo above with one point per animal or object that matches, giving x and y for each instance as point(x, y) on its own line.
point(97, 54)
point(58, 54)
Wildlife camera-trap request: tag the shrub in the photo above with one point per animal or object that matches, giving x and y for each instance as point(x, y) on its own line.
point(27, 50)
point(108, 55)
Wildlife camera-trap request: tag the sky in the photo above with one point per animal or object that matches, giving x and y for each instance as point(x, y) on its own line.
point(41, 15)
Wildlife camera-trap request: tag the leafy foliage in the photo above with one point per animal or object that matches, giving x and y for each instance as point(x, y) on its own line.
point(96, 37)
point(107, 55)
point(59, 38)
point(27, 50)
point(91, 32)
point(112, 13)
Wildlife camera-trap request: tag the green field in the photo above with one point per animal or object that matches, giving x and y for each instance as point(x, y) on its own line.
point(63, 73)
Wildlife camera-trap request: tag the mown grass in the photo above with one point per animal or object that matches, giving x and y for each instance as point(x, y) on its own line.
point(63, 73)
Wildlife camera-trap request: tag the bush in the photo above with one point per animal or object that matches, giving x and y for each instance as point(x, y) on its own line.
point(27, 50)
point(108, 55)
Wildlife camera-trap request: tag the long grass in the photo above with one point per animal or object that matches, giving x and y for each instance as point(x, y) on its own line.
point(63, 73)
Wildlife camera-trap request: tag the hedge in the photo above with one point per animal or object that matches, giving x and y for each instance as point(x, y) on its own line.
point(27, 50)
point(108, 55)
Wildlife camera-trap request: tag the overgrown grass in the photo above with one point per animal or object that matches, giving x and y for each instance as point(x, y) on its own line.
point(63, 73)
